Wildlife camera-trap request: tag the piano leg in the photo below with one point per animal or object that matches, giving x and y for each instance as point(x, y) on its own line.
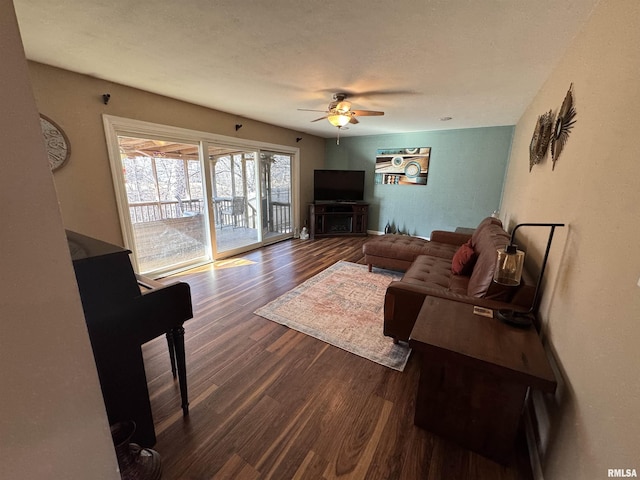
point(178, 342)
point(172, 353)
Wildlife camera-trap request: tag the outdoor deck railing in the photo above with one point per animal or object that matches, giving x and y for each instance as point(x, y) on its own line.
point(142, 212)
point(163, 210)
point(280, 217)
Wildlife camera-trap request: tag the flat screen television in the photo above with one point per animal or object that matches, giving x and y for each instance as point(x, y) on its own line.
point(338, 185)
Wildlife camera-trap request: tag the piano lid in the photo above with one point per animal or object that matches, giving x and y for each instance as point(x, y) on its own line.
point(83, 247)
point(104, 274)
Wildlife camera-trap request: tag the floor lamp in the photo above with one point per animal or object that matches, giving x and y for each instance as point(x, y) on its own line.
point(509, 271)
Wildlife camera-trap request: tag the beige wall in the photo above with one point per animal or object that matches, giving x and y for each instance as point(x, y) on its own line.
point(52, 418)
point(84, 184)
point(591, 304)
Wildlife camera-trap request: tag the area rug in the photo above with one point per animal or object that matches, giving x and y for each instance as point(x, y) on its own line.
point(343, 306)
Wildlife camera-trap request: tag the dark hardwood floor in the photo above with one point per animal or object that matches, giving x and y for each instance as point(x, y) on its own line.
point(267, 402)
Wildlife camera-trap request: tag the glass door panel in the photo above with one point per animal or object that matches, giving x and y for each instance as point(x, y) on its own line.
point(275, 176)
point(165, 199)
point(234, 199)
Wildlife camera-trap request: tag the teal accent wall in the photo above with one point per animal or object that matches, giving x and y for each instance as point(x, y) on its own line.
point(466, 176)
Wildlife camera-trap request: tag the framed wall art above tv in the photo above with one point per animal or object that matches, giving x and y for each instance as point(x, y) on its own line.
point(402, 166)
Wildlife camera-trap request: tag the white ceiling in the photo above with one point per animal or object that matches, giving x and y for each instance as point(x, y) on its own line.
point(480, 62)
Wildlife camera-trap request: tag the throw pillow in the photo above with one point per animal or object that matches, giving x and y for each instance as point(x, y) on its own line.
point(463, 260)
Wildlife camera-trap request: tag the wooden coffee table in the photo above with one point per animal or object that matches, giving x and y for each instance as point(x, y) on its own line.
point(475, 375)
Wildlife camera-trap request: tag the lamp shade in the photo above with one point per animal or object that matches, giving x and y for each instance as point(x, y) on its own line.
point(509, 265)
point(338, 120)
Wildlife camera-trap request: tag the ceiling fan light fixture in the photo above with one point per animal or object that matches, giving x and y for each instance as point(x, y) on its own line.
point(339, 119)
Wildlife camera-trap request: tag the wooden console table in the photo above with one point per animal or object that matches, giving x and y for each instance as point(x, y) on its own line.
point(338, 218)
point(475, 375)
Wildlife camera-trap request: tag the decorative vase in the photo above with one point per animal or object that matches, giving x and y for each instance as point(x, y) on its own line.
point(387, 228)
point(135, 462)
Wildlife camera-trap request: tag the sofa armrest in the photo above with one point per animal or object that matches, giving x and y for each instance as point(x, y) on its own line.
point(452, 238)
point(402, 289)
point(403, 302)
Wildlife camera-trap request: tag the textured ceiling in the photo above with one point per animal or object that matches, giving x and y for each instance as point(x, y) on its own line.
point(479, 62)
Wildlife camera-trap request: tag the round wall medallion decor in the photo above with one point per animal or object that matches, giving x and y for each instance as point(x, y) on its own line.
point(56, 142)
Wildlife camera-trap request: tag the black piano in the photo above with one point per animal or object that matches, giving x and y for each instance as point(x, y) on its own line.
point(124, 310)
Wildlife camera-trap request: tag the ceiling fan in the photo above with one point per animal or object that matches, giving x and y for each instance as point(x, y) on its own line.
point(339, 112)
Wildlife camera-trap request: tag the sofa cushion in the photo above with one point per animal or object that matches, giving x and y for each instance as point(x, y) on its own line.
point(429, 271)
point(487, 221)
point(459, 284)
point(486, 248)
point(441, 250)
point(463, 260)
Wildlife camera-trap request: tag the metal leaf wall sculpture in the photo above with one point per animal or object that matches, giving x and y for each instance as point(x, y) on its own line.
point(540, 140)
point(564, 123)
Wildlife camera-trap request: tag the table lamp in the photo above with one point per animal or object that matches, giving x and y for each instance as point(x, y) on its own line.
point(508, 272)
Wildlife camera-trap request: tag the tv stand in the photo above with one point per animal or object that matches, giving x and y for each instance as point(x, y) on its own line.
point(332, 219)
point(331, 202)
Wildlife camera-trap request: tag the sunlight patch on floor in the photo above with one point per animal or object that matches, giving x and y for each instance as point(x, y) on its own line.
point(232, 262)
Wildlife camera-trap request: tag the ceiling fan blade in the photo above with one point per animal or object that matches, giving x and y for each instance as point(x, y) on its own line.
point(309, 110)
point(367, 113)
point(318, 119)
point(353, 120)
point(366, 94)
point(380, 93)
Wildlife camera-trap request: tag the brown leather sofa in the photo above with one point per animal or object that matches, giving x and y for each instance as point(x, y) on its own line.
point(428, 266)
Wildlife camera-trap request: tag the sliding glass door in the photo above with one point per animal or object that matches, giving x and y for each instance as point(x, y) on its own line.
point(186, 198)
point(275, 176)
